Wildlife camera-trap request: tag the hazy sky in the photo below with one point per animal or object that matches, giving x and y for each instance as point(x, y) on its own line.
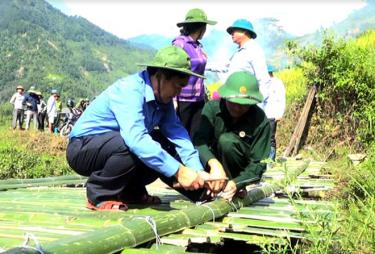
point(129, 18)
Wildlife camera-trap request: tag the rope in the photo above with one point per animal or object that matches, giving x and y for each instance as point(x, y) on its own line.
point(212, 211)
point(152, 224)
point(37, 247)
point(233, 205)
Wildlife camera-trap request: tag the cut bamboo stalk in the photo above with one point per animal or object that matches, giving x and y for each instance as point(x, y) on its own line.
point(300, 127)
point(38, 184)
point(131, 232)
point(265, 224)
point(42, 180)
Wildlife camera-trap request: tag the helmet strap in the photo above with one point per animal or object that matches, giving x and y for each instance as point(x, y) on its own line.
point(158, 79)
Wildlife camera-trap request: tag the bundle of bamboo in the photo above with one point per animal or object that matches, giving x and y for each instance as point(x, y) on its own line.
point(134, 230)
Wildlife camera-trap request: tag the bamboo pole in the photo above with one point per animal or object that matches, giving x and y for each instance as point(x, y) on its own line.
point(300, 127)
point(48, 181)
point(133, 231)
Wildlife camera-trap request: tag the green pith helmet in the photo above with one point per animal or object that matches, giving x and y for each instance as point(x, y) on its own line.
point(172, 58)
point(242, 88)
point(196, 16)
point(32, 90)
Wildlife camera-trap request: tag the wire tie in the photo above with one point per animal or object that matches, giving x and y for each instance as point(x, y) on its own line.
point(152, 224)
point(37, 247)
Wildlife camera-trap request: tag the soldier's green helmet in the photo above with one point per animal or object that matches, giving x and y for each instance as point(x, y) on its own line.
point(196, 16)
point(172, 58)
point(242, 88)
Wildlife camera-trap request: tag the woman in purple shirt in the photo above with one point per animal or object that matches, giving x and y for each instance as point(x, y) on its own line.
point(192, 97)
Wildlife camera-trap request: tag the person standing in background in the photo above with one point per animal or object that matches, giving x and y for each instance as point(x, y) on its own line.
point(52, 109)
point(31, 101)
point(18, 110)
point(248, 57)
point(273, 105)
point(42, 109)
point(192, 97)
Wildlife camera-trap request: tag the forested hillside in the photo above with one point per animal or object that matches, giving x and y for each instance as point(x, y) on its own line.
point(41, 46)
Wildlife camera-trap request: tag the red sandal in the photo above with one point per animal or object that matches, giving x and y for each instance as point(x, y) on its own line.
point(110, 205)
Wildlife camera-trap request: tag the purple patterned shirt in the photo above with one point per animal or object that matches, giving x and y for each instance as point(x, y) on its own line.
point(194, 91)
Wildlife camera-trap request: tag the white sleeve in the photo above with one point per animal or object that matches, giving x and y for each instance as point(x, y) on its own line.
point(13, 99)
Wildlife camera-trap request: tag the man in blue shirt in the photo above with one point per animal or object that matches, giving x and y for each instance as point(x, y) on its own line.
point(114, 141)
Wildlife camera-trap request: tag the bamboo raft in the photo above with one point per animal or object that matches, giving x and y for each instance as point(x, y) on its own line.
point(39, 216)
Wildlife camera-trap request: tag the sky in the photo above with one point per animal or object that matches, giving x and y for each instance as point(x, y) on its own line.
point(130, 18)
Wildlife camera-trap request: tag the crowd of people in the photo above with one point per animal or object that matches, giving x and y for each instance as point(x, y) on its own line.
point(159, 123)
point(30, 106)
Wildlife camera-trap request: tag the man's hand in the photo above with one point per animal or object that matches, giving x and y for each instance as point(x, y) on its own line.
point(189, 179)
point(229, 191)
point(216, 172)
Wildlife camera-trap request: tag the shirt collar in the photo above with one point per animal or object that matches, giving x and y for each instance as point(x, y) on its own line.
point(190, 40)
point(246, 44)
point(149, 92)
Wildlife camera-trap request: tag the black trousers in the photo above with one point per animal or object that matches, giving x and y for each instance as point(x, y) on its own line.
point(190, 115)
point(41, 119)
point(113, 171)
point(273, 124)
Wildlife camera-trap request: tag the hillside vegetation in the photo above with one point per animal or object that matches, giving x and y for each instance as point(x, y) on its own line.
point(343, 72)
point(41, 46)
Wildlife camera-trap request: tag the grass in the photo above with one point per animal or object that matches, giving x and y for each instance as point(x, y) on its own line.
point(31, 154)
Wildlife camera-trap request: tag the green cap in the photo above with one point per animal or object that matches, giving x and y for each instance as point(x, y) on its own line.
point(196, 16)
point(32, 90)
point(172, 58)
point(242, 88)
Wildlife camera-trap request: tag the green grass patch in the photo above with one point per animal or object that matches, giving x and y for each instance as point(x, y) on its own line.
point(31, 154)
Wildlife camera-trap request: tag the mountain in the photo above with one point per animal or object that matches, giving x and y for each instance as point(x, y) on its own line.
point(41, 46)
point(354, 25)
point(272, 37)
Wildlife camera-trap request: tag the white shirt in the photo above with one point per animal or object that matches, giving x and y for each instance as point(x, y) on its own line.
point(274, 98)
point(42, 106)
point(17, 100)
point(250, 57)
point(51, 106)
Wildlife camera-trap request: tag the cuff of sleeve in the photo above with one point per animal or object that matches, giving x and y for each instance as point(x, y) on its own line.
point(196, 165)
point(173, 166)
point(245, 179)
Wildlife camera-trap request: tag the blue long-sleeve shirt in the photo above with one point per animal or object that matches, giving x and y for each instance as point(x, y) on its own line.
point(129, 106)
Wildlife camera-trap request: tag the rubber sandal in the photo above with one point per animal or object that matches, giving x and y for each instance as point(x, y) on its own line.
point(107, 206)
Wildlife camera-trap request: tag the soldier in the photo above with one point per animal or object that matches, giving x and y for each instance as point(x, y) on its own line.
point(234, 135)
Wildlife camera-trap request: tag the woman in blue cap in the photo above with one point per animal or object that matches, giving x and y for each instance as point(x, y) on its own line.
point(248, 57)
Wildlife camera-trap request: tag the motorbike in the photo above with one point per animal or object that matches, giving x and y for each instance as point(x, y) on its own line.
point(69, 120)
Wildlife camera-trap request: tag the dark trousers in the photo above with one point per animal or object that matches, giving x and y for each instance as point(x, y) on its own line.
point(41, 119)
point(231, 152)
point(273, 124)
point(190, 115)
point(17, 117)
point(113, 171)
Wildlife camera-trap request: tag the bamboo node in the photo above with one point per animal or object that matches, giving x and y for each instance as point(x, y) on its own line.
point(37, 247)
